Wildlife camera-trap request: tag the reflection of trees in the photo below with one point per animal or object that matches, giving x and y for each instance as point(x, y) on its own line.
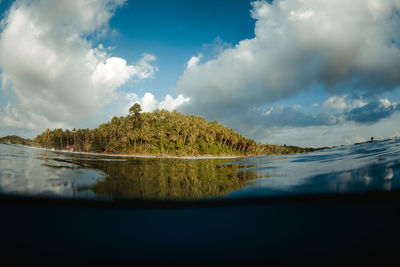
point(169, 179)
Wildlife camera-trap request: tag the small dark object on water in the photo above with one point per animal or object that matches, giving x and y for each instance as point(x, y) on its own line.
point(372, 140)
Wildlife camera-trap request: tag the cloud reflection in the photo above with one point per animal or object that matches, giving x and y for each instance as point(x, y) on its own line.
point(37, 172)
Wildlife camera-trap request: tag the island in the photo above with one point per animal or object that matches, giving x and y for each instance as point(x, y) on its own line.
point(159, 133)
point(14, 139)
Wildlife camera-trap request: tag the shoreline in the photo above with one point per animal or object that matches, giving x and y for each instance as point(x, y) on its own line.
point(153, 156)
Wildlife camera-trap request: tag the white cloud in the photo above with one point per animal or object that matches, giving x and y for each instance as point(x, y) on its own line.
point(143, 68)
point(170, 103)
point(344, 103)
point(148, 102)
point(358, 103)
point(293, 116)
point(53, 69)
point(339, 45)
point(385, 103)
point(193, 61)
point(297, 107)
point(344, 133)
point(14, 118)
point(336, 102)
point(372, 112)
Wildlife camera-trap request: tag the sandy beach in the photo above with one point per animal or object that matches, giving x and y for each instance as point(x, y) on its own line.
point(155, 156)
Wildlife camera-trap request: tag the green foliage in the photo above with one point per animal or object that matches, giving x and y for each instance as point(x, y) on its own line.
point(13, 139)
point(135, 109)
point(159, 132)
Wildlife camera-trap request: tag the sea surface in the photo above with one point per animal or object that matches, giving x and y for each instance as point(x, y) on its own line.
point(27, 171)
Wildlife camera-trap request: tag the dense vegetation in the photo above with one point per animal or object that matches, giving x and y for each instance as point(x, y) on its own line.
point(159, 132)
point(13, 139)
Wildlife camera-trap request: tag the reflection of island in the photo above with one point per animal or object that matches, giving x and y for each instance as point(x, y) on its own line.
point(168, 179)
point(37, 172)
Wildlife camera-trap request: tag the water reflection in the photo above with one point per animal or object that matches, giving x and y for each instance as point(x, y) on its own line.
point(365, 167)
point(29, 171)
point(167, 179)
point(43, 172)
point(361, 168)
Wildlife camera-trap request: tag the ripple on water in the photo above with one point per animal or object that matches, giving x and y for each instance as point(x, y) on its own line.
point(358, 168)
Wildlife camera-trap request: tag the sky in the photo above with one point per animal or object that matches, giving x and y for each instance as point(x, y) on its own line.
point(309, 73)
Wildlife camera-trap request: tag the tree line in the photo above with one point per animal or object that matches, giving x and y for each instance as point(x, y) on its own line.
point(13, 139)
point(159, 132)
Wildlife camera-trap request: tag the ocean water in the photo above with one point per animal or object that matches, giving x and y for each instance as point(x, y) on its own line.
point(367, 167)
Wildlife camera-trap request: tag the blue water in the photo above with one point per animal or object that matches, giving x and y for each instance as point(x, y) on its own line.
point(347, 169)
point(368, 167)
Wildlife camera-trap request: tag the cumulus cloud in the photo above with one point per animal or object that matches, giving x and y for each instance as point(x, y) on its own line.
point(336, 110)
point(49, 62)
point(372, 112)
point(340, 45)
point(324, 127)
point(357, 103)
point(14, 118)
point(346, 133)
point(149, 103)
point(193, 61)
point(359, 110)
point(335, 102)
point(169, 103)
point(292, 116)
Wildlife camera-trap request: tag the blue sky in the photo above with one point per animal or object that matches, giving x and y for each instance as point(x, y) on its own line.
point(174, 31)
point(310, 73)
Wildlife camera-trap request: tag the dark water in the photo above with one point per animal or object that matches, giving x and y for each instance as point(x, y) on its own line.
point(359, 168)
